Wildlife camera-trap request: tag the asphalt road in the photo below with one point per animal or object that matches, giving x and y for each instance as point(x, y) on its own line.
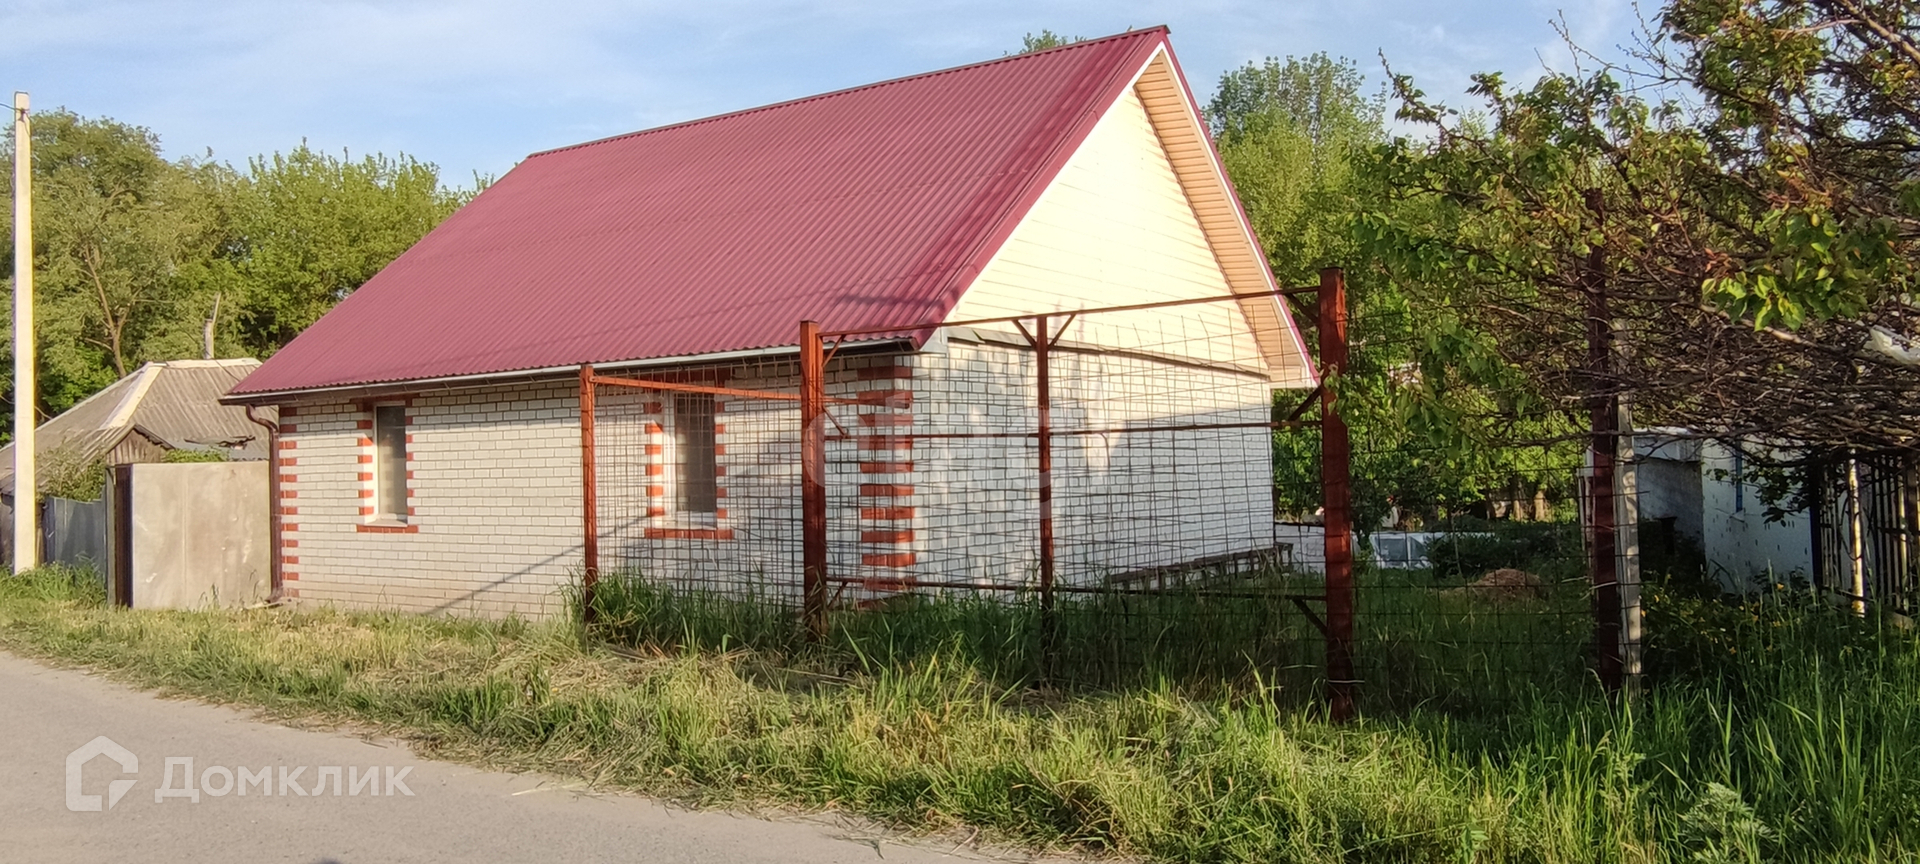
point(454, 813)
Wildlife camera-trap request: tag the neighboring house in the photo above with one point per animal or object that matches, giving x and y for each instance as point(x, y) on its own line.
point(1702, 488)
point(430, 452)
point(160, 407)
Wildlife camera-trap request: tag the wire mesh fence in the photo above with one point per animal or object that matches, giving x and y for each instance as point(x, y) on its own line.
point(1076, 499)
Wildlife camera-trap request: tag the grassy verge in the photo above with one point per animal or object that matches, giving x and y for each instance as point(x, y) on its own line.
point(1782, 732)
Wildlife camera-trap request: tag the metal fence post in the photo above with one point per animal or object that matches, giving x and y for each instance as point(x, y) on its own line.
point(589, 500)
point(1337, 490)
point(813, 480)
point(1043, 404)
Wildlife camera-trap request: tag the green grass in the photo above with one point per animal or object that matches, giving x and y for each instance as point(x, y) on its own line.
point(1776, 731)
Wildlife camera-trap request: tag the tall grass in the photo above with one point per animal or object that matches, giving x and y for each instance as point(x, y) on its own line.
point(1778, 730)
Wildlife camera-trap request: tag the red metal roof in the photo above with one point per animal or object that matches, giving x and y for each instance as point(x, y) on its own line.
point(863, 208)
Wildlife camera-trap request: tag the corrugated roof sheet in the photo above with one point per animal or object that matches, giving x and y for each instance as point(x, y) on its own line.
point(862, 208)
point(175, 401)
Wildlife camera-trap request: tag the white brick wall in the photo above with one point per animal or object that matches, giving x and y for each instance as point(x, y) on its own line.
point(496, 497)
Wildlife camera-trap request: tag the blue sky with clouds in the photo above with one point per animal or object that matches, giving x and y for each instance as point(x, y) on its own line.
point(476, 85)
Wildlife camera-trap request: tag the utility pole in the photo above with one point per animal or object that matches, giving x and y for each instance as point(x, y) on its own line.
point(26, 488)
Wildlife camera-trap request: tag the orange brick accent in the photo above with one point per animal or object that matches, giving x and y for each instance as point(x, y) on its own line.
point(719, 449)
point(719, 428)
point(885, 490)
point(877, 373)
point(289, 493)
point(366, 493)
point(290, 559)
point(689, 533)
point(720, 513)
point(288, 445)
point(886, 419)
point(886, 467)
point(387, 529)
point(885, 442)
point(898, 536)
point(365, 476)
point(409, 439)
point(291, 577)
point(656, 511)
point(366, 459)
point(886, 512)
point(654, 429)
point(363, 424)
point(287, 428)
point(290, 543)
point(891, 398)
point(656, 470)
point(288, 526)
point(409, 477)
point(720, 492)
point(656, 449)
point(887, 559)
point(656, 491)
point(289, 478)
point(366, 511)
point(289, 461)
point(363, 441)
point(289, 511)
point(653, 408)
point(289, 410)
point(293, 593)
point(719, 470)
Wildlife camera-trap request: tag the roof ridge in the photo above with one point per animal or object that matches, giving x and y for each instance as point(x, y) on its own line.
point(1161, 29)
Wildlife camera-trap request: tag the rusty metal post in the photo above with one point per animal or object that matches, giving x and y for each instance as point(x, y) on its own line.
point(813, 480)
point(589, 500)
point(1603, 410)
point(1336, 452)
point(1043, 404)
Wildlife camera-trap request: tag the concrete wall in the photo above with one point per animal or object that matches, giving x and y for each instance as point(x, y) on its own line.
point(199, 535)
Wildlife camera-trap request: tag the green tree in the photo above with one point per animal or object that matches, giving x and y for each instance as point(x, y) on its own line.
point(1749, 234)
point(1046, 39)
point(1295, 136)
point(307, 228)
point(121, 239)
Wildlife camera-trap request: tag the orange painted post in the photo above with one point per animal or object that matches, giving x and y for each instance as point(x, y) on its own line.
point(1043, 402)
point(813, 480)
point(1337, 489)
point(589, 500)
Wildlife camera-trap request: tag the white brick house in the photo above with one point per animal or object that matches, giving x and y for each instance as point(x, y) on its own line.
point(430, 453)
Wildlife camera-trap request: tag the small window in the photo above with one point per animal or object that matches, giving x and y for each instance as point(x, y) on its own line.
point(693, 454)
point(390, 462)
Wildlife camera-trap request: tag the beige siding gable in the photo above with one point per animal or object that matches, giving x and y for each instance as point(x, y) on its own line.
point(1118, 227)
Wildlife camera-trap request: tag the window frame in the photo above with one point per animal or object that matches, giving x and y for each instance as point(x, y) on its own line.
point(387, 481)
point(678, 469)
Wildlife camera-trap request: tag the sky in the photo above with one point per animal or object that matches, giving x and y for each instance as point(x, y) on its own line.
point(474, 86)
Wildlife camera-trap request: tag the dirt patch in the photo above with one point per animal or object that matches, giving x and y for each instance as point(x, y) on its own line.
point(1505, 585)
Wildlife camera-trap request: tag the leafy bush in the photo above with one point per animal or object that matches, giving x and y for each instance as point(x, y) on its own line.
point(1533, 547)
point(195, 456)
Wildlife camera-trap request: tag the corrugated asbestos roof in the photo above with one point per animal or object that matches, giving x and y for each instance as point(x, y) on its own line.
point(176, 403)
point(863, 208)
